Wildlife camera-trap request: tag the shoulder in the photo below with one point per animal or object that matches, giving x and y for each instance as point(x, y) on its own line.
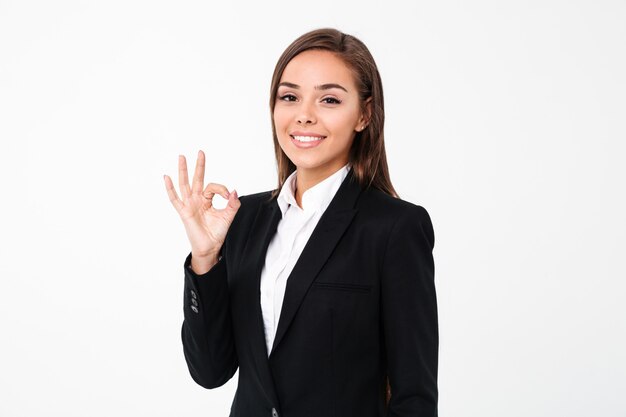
point(381, 204)
point(394, 215)
point(244, 218)
point(250, 205)
point(254, 200)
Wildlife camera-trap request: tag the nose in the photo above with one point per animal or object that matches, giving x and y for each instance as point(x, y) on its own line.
point(306, 115)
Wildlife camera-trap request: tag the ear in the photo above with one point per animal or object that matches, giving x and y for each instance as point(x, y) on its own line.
point(366, 116)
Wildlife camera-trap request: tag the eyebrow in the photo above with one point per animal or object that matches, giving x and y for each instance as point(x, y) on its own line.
point(327, 86)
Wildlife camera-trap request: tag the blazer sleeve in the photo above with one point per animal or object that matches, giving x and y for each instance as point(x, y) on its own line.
point(207, 334)
point(409, 312)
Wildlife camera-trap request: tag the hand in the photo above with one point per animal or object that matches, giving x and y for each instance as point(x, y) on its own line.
point(206, 226)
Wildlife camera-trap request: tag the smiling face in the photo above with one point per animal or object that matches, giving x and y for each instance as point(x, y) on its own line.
point(317, 113)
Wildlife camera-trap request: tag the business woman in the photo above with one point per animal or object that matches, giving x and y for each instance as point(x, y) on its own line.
point(321, 291)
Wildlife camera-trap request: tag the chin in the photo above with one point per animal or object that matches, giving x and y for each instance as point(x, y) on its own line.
point(306, 164)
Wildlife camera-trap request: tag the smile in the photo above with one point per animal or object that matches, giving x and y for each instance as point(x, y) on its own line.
point(308, 138)
point(306, 142)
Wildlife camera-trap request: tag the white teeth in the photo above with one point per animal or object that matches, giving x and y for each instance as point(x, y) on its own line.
point(307, 138)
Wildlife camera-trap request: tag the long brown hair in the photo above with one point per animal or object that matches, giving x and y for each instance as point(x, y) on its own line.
point(367, 154)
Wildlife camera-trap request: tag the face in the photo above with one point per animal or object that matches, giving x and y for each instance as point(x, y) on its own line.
point(317, 112)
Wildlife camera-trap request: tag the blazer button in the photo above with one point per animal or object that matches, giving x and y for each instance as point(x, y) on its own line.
point(274, 412)
point(194, 308)
point(193, 294)
point(194, 301)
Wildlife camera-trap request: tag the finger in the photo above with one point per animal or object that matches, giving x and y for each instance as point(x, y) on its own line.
point(198, 175)
point(212, 188)
point(171, 192)
point(183, 180)
point(233, 202)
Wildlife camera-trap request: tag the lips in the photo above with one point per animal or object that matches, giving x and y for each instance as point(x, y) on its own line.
point(304, 133)
point(307, 138)
point(306, 141)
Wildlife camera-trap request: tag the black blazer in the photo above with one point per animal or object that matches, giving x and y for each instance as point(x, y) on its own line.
point(359, 305)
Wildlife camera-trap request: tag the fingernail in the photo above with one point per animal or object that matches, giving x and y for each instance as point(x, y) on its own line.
point(235, 193)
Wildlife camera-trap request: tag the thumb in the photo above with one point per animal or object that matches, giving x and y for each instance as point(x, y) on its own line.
point(233, 202)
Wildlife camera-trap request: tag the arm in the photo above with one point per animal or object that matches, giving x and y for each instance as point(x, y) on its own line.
point(207, 335)
point(409, 309)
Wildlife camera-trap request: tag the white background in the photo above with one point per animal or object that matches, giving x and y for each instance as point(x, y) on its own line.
point(505, 120)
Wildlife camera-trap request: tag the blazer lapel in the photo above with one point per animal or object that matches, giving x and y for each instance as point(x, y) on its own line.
point(253, 258)
point(331, 226)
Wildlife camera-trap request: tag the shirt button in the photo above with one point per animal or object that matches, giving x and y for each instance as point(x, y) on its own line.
point(274, 412)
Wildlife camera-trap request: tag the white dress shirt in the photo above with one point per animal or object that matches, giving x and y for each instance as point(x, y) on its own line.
point(292, 234)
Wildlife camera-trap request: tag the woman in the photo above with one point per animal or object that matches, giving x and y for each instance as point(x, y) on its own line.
point(321, 292)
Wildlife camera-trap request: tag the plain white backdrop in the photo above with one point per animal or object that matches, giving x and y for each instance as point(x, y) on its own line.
point(505, 120)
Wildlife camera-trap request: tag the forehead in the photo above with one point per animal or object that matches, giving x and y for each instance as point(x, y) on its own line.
point(314, 67)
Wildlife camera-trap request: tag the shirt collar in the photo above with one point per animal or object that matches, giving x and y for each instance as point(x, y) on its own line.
point(316, 198)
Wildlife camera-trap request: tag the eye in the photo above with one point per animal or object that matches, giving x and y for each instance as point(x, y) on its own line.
point(332, 100)
point(288, 97)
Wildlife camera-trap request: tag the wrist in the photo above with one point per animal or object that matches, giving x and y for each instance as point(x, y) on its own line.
point(201, 264)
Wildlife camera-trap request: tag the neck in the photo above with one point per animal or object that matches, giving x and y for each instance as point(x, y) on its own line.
point(308, 178)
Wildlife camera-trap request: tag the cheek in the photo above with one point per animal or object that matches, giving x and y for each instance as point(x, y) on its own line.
point(280, 120)
point(341, 122)
point(281, 123)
